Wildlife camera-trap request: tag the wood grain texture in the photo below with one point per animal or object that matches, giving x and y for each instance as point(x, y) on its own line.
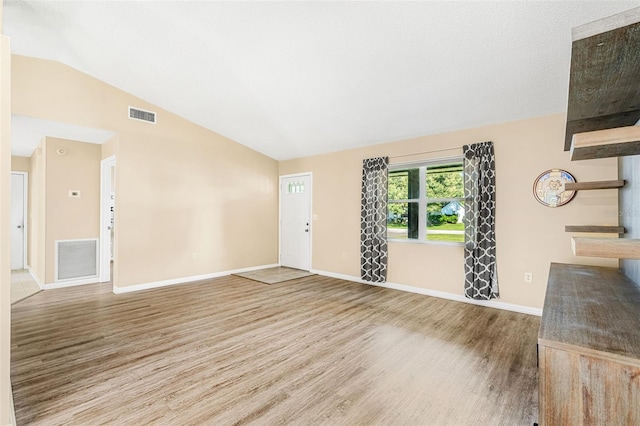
point(577, 390)
point(615, 248)
point(601, 184)
point(604, 77)
point(617, 142)
point(595, 229)
point(589, 353)
point(231, 351)
point(622, 119)
point(591, 309)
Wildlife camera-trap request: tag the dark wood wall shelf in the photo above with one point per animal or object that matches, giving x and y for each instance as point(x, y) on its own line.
point(595, 229)
point(602, 184)
point(604, 76)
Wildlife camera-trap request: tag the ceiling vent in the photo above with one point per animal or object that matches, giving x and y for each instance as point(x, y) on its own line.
point(142, 115)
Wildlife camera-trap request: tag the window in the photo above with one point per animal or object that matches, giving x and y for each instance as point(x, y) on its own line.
point(295, 187)
point(426, 202)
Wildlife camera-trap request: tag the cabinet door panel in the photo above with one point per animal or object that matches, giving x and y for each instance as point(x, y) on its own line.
point(611, 392)
point(585, 390)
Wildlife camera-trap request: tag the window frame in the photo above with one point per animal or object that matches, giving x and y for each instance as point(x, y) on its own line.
point(423, 201)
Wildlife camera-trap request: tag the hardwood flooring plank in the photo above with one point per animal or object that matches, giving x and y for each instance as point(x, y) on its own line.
point(231, 351)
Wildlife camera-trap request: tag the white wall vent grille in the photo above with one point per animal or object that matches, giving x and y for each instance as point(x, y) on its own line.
point(76, 259)
point(142, 115)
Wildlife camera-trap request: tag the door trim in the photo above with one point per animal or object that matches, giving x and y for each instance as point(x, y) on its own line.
point(25, 215)
point(104, 251)
point(310, 175)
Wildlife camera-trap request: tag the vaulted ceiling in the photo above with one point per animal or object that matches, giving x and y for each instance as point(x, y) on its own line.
point(291, 79)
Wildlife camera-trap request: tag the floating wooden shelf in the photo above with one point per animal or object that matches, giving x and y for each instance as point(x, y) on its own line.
point(602, 184)
point(604, 76)
point(619, 248)
point(594, 228)
point(615, 142)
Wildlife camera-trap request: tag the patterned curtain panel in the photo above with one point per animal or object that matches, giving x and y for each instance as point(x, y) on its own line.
point(373, 220)
point(481, 275)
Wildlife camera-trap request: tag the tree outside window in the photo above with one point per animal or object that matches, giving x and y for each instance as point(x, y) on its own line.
point(426, 202)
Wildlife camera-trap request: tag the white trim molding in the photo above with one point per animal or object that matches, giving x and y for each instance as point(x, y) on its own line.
point(69, 283)
point(61, 284)
point(35, 278)
point(186, 280)
point(104, 252)
point(440, 294)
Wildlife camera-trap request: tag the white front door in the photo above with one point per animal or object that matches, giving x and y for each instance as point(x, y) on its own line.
point(295, 221)
point(17, 220)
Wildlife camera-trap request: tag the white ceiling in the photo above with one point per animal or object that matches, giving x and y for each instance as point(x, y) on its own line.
point(27, 132)
point(292, 79)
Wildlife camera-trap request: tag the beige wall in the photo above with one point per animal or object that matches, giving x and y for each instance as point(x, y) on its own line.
point(110, 147)
point(36, 208)
point(20, 164)
point(68, 218)
point(6, 405)
point(181, 189)
point(529, 235)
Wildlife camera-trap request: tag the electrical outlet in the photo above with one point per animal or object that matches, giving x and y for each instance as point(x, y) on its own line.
point(194, 256)
point(344, 255)
point(528, 277)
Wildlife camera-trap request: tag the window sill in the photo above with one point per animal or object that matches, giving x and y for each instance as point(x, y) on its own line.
point(428, 243)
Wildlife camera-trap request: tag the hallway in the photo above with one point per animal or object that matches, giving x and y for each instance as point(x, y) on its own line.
point(22, 285)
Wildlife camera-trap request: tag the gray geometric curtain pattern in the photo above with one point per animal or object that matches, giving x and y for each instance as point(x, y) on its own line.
point(480, 271)
point(373, 220)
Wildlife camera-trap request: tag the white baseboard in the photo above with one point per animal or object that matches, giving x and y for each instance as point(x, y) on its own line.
point(434, 293)
point(61, 284)
point(184, 280)
point(70, 283)
point(40, 283)
point(402, 287)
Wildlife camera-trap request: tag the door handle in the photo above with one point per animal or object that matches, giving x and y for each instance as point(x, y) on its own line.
point(306, 230)
point(19, 226)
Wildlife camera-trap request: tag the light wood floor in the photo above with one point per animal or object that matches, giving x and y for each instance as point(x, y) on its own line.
point(232, 351)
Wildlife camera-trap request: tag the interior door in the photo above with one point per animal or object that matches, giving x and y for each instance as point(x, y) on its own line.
point(295, 222)
point(17, 221)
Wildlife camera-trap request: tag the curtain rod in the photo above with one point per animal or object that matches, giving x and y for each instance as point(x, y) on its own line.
point(424, 152)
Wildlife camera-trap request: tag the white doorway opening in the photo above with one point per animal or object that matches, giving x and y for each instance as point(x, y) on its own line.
point(19, 186)
point(107, 215)
point(295, 221)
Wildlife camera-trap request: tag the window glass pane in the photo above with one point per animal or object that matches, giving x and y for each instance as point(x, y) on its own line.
point(444, 221)
point(402, 221)
point(404, 184)
point(445, 181)
point(295, 187)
